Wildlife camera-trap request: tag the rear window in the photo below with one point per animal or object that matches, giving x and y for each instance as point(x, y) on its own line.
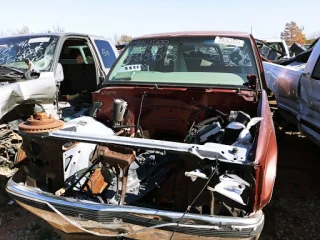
point(106, 53)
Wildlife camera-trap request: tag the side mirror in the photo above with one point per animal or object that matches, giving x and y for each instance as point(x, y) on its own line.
point(59, 73)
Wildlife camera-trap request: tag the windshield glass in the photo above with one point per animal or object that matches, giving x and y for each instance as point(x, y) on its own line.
point(210, 60)
point(38, 49)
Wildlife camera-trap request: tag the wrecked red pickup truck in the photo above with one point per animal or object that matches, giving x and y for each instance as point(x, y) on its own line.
point(180, 144)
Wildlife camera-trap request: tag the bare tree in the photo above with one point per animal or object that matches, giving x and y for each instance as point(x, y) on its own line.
point(54, 29)
point(26, 30)
point(293, 33)
point(116, 38)
point(123, 39)
point(22, 30)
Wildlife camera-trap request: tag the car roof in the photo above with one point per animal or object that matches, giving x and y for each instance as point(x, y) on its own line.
point(195, 33)
point(58, 34)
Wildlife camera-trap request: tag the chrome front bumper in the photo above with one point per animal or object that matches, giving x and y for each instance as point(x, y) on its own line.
point(102, 220)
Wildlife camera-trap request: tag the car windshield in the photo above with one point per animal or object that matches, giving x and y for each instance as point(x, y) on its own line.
point(38, 49)
point(210, 60)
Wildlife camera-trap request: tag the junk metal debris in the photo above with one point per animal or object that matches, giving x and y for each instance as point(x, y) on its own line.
point(268, 52)
point(10, 143)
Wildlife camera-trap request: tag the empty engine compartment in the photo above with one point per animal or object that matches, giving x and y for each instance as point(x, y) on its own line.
point(168, 114)
point(160, 179)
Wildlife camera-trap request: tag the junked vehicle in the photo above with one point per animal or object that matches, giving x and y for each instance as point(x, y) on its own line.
point(273, 49)
point(296, 49)
point(278, 44)
point(295, 84)
point(37, 69)
point(181, 145)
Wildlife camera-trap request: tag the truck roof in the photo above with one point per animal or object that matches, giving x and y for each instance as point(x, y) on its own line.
point(195, 33)
point(58, 34)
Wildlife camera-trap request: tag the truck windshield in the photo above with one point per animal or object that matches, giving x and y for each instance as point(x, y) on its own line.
point(38, 49)
point(213, 60)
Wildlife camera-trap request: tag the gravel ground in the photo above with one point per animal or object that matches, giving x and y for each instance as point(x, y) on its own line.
point(293, 212)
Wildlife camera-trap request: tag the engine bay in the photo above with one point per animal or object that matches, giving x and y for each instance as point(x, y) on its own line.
point(156, 178)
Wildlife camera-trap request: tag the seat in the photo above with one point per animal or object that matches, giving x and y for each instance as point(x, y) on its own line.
point(89, 60)
point(179, 63)
point(78, 78)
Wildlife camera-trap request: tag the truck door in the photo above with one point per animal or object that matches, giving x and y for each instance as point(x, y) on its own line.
point(106, 52)
point(310, 95)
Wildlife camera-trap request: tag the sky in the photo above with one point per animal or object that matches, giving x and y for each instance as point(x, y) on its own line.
point(105, 18)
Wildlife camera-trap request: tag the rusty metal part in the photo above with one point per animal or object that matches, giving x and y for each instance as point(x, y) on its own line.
point(96, 184)
point(124, 184)
point(20, 156)
point(50, 152)
point(170, 108)
point(120, 159)
point(40, 123)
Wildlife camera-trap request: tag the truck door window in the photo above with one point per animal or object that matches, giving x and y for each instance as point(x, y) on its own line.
point(316, 71)
point(106, 53)
point(76, 51)
point(80, 76)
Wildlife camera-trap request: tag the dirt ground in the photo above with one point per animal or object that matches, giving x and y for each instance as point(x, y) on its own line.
point(293, 213)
